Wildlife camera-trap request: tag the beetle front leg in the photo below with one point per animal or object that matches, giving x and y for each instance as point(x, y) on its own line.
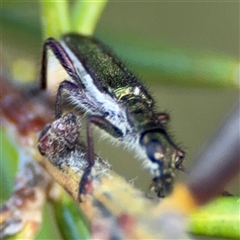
point(107, 126)
point(101, 122)
point(85, 180)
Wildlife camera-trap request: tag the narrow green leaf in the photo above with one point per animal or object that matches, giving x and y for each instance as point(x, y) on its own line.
point(55, 18)
point(71, 222)
point(175, 64)
point(85, 15)
point(220, 218)
point(8, 166)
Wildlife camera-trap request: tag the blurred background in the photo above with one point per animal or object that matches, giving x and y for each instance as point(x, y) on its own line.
point(187, 53)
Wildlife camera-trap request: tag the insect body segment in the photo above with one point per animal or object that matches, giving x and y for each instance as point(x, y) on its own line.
point(115, 101)
point(107, 71)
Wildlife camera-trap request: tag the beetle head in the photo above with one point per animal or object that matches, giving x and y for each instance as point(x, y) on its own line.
point(160, 149)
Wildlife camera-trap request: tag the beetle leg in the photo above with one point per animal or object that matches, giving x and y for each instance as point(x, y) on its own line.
point(85, 180)
point(69, 87)
point(76, 94)
point(107, 126)
point(62, 57)
point(102, 123)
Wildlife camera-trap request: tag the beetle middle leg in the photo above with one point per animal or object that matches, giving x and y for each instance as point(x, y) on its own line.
point(102, 123)
point(76, 95)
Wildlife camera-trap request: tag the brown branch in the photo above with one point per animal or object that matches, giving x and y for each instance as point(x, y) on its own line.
point(219, 160)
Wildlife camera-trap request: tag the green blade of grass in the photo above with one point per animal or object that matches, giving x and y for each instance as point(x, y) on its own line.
point(55, 18)
point(85, 16)
point(174, 64)
point(69, 216)
point(9, 164)
point(220, 218)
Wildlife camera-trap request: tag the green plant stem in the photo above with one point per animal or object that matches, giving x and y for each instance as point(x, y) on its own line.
point(55, 18)
point(69, 216)
point(220, 218)
point(9, 165)
point(85, 16)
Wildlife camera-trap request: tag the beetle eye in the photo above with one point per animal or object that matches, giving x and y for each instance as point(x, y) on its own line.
point(154, 150)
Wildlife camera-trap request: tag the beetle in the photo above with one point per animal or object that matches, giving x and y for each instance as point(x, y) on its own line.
point(116, 101)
